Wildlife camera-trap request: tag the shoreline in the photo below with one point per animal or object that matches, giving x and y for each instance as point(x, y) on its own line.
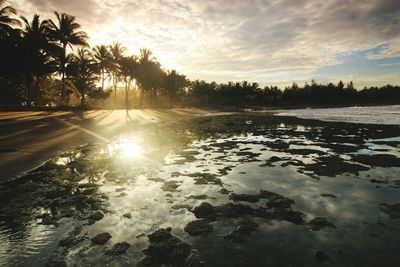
point(33, 138)
point(29, 139)
point(79, 109)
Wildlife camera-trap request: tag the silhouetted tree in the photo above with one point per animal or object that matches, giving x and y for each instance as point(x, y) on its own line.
point(103, 59)
point(38, 54)
point(174, 85)
point(66, 33)
point(81, 71)
point(150, 76)
point(7, 22)
point(117, 53)
point(128, 70)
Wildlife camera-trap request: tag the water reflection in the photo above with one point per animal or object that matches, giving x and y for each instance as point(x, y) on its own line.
point(159, 176)
point(127, 147)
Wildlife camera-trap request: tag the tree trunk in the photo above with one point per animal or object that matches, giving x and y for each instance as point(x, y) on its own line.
point(140, 96)
point(37, 91)
point(29, 89)
point(115, 90)
point(63, 63)
point(126, 94)
point(102, 80)
point(82, 100)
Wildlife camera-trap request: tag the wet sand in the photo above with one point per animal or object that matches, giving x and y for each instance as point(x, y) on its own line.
point(27, 139)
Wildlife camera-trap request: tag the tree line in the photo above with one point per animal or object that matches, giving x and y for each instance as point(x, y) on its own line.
point(251, 94)
point(49, 63)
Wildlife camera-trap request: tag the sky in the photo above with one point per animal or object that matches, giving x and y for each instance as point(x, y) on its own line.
point(272, 42)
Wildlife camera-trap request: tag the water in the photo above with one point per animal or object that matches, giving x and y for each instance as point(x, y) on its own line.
point(374, 115)
point(157, 176)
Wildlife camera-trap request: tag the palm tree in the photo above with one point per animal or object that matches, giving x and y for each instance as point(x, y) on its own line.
point(6, 21)
point(66, 33)
point(81, 72)
point(103, 58)
point(174, 84)
point(150, 74)
point(128, 70)
point(38, 55)
point(117, 53)
point(146, 56)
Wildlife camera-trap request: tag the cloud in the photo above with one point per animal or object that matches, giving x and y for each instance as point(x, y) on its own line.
point(254, 38)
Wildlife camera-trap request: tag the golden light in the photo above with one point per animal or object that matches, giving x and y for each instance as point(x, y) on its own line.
point(130, 149)
point(126, 148)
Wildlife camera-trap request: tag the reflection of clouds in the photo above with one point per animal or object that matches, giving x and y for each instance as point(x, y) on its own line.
point(149, 208)
point(136, 186)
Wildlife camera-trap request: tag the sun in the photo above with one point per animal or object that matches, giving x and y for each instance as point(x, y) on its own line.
point(130, 149)
point(127, 148)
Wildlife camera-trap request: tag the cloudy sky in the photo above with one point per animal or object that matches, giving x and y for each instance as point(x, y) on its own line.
point(268, 41)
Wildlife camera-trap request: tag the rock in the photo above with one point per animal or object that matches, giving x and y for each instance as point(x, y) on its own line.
point(305, 152)
point(205, 210)
point(89, 191)
point(156, 179)
point(182, 206)
point(48, 219)
point(392, 210)
point(280, 210)
point(280, 203)
point(224, 171)
point(332, 166)
point(231, 210)
point(245, 228)
point(200, 227)
point(198, 197)
point(72, 238)
point(118, 249)
point(274, 159)
point(378, 181)
point(249, 156)
point(275, 200)
point(328, 195)
point(319, 222)
point(279, 145)
point(56, 263)
point(176, 174)
point(320, 256)
point(170, 186)
point(194, 260)
point(378, 160)
point(224, 191)
point(205, 178)
point(127, 215)
point(96, 216)
point(166, 249)
point(101, 239)
point(244, 197)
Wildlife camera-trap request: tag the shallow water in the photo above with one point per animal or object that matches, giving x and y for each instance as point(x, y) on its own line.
point(161, 176)
point(389, 115)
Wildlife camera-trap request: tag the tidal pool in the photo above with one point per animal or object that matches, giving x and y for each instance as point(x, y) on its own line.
point(233, 190)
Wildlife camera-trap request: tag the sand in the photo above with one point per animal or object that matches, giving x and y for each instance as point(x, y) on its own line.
point(38, 136)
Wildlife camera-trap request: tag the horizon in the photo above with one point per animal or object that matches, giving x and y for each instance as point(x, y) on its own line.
point(268, 42)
